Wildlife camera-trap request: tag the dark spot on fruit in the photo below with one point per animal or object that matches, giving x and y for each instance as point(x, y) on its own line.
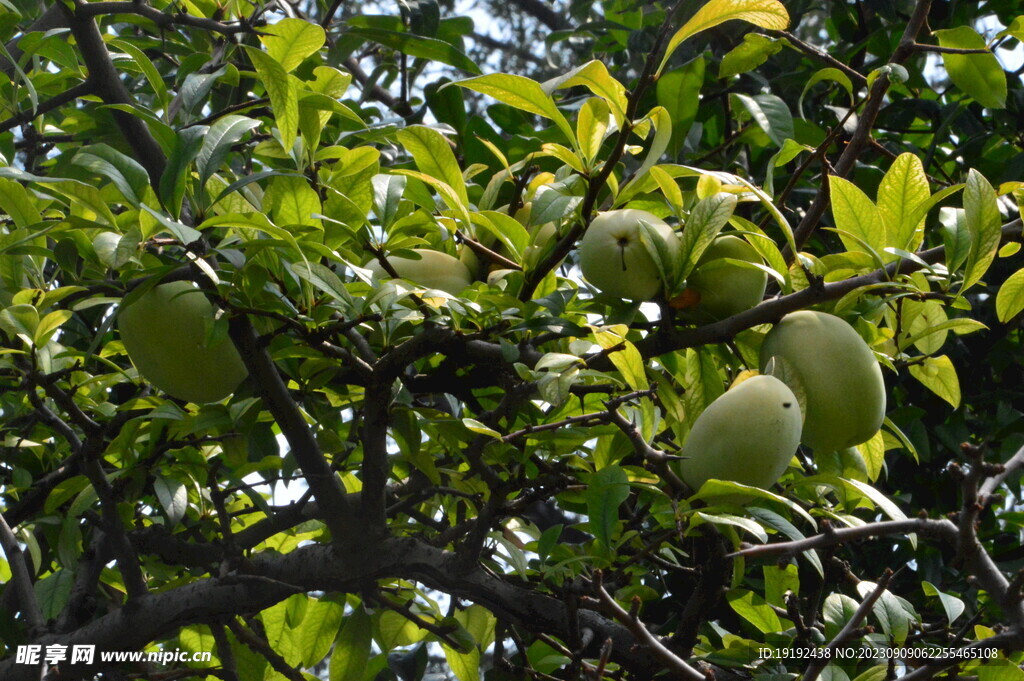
point(787, 405)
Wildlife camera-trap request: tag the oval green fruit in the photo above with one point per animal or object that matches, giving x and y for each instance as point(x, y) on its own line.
point(748, 435)
point(613, 259)
point(838, 373)
point(434, 269)
point(726, 289)
point(165, 332)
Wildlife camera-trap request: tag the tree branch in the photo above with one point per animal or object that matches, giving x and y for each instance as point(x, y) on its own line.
point(849, 629)
point(327, 489)
point(21, 580)
point(55, 102)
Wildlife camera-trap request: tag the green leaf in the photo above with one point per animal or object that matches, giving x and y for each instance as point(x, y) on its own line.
point(939, 375)
point(18, 204)
point(145, 65)
point(53, 591)
point(291, 201)
point(450, 196)
point(284, 96)
point(734, 521)
point(903, 190)
point(465, 666)
point(961, 326)
point(771, 114)
point(418, 46)
point(767, 14)
point(1010, 299)
point(290, 41)
point(434, 156)
point(323, 278)
point(827, 73)
point(748, 55)
point(979, 75)
point(478, 427)
point(981, 217)
point(221, 136)
point(778, 579)
point(318, 630)
point(173, 497)
point(837, 611)
point(625, 357)
point(891, 614)
point(706, 220)
point(127, 174)
point(49, 324)
point(522, 93)
point(396, 630)
point(855, 214)
point(20, 321)
point(678, 91)
point(352, 648)
point(953, 606)
point(606, 490)
point(176, 174)
point(755, 610)
point(183, 233)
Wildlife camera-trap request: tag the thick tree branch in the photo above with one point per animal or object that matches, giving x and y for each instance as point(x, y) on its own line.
point(105, 82)
point(338, 569)
point(162, 19)
point(326, 487)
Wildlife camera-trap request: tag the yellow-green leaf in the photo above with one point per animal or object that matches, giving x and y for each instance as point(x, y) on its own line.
point(981, 216)
point(1010, 299)
point(979, 75)
point(434, 156)
point(623, 355)
point(855, 214)
point(769, 14)
point(290, 41)
point(522, 93)
point(595, 77)
point(284, 96)
point(902, 191)
point(939, 375)
point(591, 127)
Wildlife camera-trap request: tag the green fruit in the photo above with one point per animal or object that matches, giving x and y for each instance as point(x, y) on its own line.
point(838, 373)
point(726, 289)
point(165, 332)
point(748, 435)
point(433, 269)
point(614, 260)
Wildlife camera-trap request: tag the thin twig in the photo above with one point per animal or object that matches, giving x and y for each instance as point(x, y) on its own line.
point(675, 664)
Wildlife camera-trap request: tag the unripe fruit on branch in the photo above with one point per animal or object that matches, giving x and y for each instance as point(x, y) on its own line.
point(434, 269)
point(613, 259)
point(726, 289)
point(838, 374)
point(165, 332)
point(748, 435)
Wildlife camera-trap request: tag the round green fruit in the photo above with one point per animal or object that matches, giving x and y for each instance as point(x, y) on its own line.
point(748, 435)
point(434, 269)
point(726, 289)
point(838, 373)
point(165, 332)
point(614, 260)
